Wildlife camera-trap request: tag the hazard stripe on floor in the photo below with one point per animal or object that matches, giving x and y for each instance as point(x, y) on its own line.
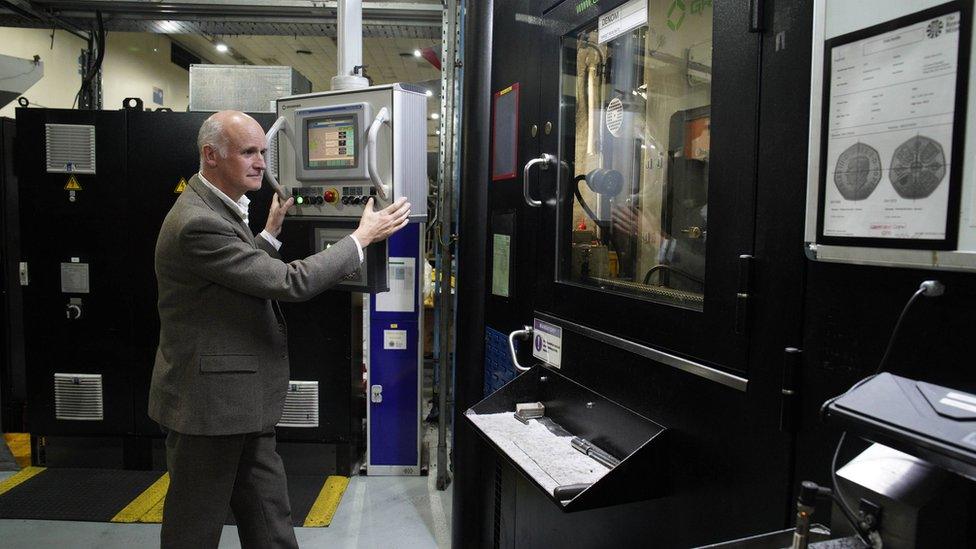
point(145, 502)
point(327, 502)
point(20, 447)
point(21, 477)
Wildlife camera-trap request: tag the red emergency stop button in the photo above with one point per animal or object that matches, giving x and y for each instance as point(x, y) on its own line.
point(331, 196)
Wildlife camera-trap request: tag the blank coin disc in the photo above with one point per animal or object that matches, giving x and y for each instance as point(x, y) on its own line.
point(917, 167)
point(857, 172)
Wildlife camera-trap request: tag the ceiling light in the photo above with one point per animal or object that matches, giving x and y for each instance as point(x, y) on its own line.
point(434, 116)
point(430, 93)
point(417, 53)
point(221, 47)
point(438, 132)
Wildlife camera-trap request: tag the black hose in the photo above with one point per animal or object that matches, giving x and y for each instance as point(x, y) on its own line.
point(670, 269)
point(579, 198)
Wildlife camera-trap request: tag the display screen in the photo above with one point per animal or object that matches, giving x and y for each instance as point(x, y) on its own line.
point(330, 143)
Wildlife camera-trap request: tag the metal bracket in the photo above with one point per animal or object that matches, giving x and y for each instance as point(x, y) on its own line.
point(742, 296)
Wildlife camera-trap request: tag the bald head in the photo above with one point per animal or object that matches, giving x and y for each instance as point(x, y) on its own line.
point(231, 146)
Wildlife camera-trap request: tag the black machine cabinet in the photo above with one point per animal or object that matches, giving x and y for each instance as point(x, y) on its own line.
point(109, 221)
point(675, 354)
point(12, 384)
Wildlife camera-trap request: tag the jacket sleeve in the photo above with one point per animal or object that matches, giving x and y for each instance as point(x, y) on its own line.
point(213, 250)
point(266, 246)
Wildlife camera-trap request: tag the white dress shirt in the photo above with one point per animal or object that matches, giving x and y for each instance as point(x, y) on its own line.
point(241, 207)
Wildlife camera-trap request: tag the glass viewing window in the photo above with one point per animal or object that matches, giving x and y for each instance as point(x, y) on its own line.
point(635, 143)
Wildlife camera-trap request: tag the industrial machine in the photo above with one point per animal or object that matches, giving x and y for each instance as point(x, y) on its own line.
point(341, 149)
point(88, 281)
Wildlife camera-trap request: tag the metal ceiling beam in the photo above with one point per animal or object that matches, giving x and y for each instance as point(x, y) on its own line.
point(296, 11)
point(24, 8)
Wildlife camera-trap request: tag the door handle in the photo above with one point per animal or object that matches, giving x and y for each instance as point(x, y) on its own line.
point(524, 333)
point(546, 160)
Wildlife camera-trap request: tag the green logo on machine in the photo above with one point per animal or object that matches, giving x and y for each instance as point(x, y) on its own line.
point(676, 15)
point(585, 5)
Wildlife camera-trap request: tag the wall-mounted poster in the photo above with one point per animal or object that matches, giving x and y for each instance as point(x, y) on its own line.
point(893, 131)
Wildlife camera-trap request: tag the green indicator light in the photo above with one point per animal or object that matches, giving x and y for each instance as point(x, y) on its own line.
point(299, 200)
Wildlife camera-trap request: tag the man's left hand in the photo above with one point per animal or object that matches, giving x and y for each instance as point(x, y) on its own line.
point(276, 216)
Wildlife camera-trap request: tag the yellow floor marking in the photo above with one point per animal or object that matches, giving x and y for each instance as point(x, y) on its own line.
point(326, 504)
point(155, 515)
point(144, 503)
point(20, 447)
point(25, 474)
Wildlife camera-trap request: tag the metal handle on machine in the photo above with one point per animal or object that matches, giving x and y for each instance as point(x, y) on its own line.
point(280, 125)
point(526, 332)
point(546, 160)
point(374, 173)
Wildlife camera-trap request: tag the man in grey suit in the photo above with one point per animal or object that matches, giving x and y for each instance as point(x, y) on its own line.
point(221, 372)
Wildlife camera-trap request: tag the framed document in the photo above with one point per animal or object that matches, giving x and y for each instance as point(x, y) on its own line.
point(893, 130)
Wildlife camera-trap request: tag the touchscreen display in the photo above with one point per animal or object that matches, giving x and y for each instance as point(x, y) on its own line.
point(331, 143)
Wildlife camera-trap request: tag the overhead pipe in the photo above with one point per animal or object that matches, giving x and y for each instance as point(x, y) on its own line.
point(349, 61)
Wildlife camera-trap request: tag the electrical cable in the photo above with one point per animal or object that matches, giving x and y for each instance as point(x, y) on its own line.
point(929, 288)
point(93, 69)
point(838, 495)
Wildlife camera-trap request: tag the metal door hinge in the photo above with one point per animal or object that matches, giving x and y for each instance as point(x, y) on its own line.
point(742, 295)
point(790, 391)
point(756, 15)
point(24, 274)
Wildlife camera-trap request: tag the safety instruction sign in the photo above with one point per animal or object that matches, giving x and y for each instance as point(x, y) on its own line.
point(394, 339)
point(181, 186)
point(72, 184)
point(547, 342)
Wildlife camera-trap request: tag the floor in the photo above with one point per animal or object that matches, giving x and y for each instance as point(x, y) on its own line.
point(379, 512)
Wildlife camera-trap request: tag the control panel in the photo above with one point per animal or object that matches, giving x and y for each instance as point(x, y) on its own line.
point(342, 147)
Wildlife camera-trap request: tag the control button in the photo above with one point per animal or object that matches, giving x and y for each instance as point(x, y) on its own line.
point(345, 199)
point(318, 199)
point(299, 200)
point(356, 200)
point(330, 196)
point(365, 199)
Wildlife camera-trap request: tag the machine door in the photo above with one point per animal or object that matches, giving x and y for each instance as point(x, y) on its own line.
point(645, 187)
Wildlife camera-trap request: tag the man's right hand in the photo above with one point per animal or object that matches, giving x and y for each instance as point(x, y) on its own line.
point(375, 226)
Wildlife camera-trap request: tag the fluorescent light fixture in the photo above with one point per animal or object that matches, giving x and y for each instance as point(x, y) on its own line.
point(430, 93)
point(434, 116)
point(221, 47)
point(416, 53)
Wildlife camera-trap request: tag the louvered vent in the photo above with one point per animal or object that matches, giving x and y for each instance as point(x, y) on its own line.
point(301, 405)
point(78, 397)
point(70, 148)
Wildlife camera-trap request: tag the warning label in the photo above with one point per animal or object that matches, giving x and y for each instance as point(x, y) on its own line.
point(181, 186)
point(72, 184)
point(547, 342)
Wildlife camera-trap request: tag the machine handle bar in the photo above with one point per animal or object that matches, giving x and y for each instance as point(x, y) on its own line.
point(521, 334)
point(545, 160)
point(382, 117)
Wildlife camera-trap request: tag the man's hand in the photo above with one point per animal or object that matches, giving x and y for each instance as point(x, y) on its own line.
point(276, 215)
point(375, 226)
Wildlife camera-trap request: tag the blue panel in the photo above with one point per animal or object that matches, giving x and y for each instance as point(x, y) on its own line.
point(394, 423)
point(499, 369)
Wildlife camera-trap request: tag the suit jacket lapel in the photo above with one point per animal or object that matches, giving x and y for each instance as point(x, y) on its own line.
point(219, 206)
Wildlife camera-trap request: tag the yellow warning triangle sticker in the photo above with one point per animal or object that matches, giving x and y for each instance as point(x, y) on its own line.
point(72, 184)
point(180, 186)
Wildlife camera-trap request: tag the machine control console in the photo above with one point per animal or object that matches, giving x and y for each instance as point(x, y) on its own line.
point(312, 201)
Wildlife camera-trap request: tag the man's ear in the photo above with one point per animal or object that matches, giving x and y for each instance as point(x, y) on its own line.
point(210, 155)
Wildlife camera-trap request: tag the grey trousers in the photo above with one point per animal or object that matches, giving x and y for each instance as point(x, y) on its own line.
point(208, 473)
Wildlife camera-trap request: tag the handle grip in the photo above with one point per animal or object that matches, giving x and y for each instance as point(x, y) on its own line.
point(382, 117)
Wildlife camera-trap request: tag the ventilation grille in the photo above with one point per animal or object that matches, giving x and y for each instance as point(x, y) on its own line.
point(301, 405)
point(70, 148)
point(78, 397)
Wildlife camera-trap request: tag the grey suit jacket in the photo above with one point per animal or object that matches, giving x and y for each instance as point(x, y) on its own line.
point(222, 363)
